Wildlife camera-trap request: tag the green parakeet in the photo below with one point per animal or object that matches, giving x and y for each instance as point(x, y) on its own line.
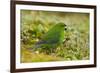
point(53, 38)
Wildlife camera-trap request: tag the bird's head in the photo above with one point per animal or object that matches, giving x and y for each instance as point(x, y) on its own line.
point(62, 25)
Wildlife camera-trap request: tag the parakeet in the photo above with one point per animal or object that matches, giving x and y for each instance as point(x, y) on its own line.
point(53, 38)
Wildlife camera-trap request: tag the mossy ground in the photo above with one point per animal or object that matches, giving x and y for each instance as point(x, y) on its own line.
point(34, 24)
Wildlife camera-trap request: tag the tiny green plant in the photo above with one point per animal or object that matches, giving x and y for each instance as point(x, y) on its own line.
point(44, 38)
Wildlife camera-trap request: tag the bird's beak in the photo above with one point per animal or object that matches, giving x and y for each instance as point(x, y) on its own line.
point(65, 28)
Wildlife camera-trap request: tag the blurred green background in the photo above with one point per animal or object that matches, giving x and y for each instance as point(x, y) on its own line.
point(34, 24)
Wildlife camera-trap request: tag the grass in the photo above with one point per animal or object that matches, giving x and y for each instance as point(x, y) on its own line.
point(34, 24)
point(29, 56)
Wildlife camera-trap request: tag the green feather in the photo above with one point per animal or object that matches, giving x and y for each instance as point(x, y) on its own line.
point(53, 38)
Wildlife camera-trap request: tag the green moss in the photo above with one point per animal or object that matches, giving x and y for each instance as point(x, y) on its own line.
point(34, 24)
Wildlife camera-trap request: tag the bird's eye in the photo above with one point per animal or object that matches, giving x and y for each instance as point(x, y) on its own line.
point(65, 25)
